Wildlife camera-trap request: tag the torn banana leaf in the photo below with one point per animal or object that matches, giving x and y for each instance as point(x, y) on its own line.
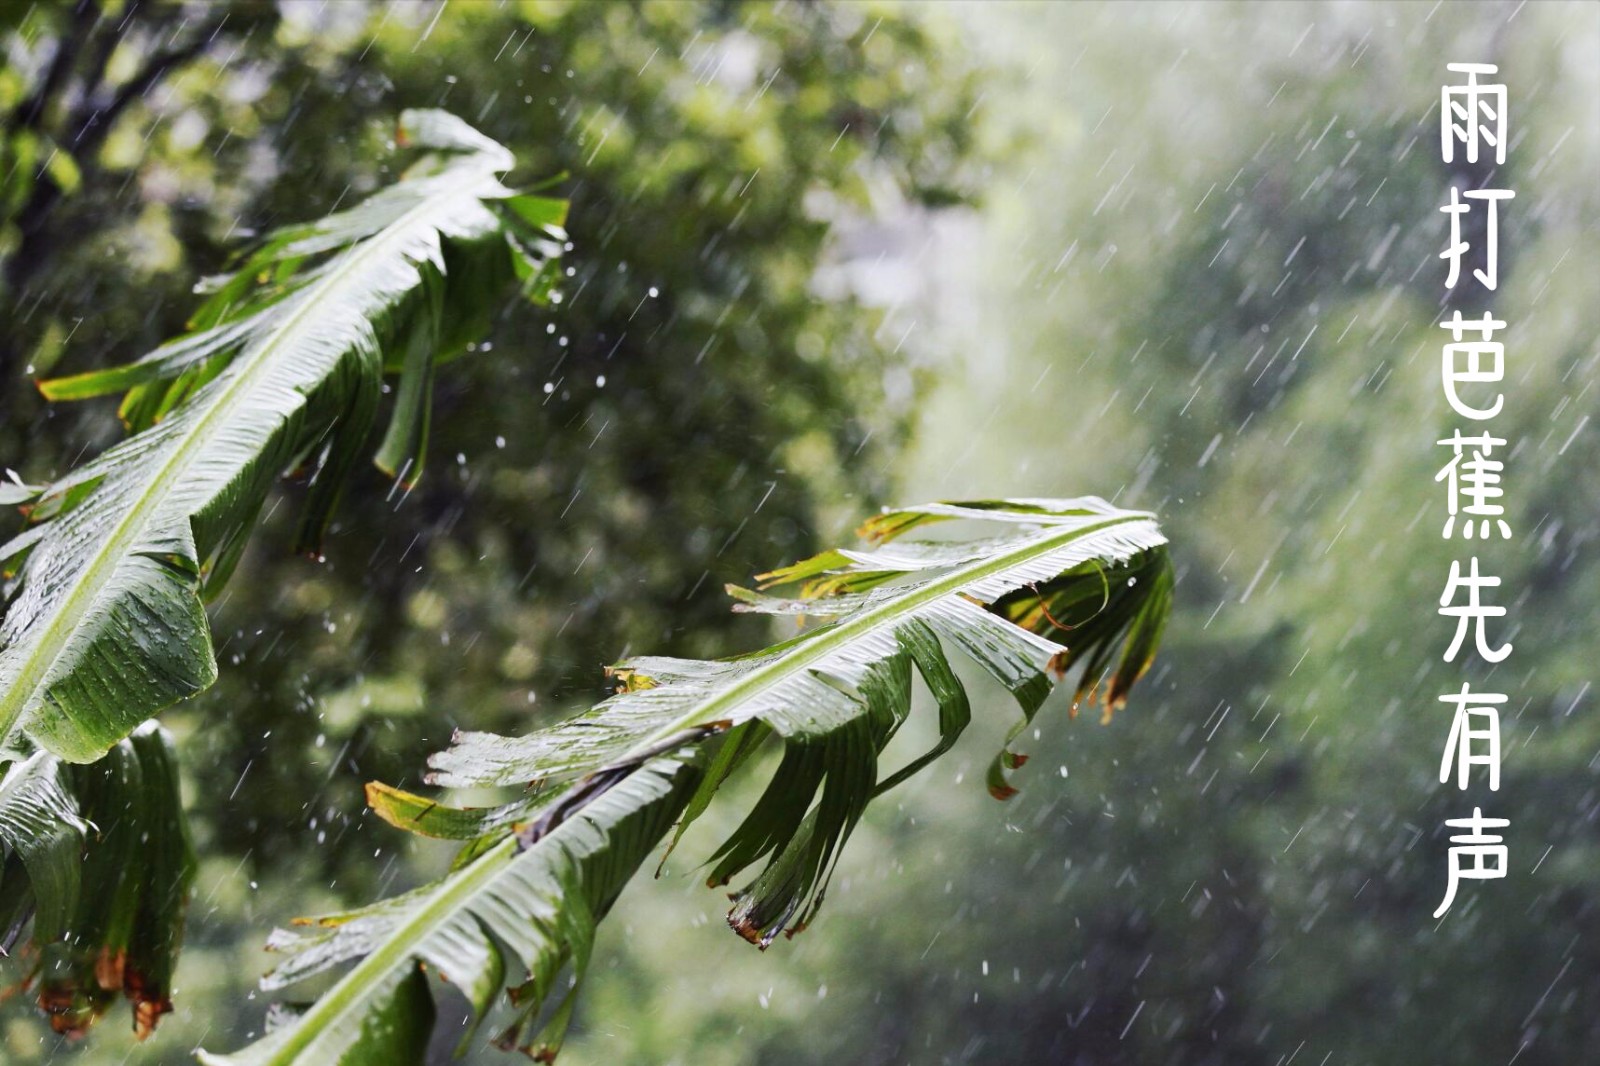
point(100, 857)
point(1048, 587)
point(104, 621)
point(511, 919)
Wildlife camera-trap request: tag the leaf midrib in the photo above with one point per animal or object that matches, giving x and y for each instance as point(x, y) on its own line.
point(60, 628)
point(719, 706)
point(398, 945)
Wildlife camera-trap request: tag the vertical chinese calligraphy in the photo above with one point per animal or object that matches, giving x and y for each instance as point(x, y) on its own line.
point(1472, 122)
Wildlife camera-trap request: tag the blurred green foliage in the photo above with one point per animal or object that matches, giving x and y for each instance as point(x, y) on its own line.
point(1203, 271)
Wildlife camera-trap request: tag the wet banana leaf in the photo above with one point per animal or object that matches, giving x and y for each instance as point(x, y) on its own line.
point(512, 916)
point(1045, 588)
point(100, 857)
point(105, 622)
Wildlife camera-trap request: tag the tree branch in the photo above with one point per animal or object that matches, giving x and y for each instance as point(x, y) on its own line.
point(87, 132)
point(93, 128)
point(93, 75)
point(30, 113)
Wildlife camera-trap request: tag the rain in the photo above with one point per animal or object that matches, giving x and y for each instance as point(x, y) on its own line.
point(523, 515)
